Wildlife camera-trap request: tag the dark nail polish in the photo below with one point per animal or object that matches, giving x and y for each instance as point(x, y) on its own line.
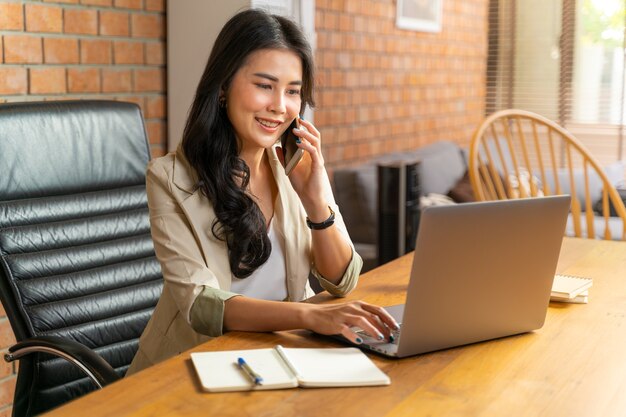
point(391, 338)
point(298, 141)
point(359, 340)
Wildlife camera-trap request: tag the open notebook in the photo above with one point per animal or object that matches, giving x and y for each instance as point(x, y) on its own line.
point(287, 368)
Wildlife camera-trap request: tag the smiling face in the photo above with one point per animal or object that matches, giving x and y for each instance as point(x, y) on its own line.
point(264, 97)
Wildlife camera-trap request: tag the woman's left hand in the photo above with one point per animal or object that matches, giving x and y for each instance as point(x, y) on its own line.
point(308, 177)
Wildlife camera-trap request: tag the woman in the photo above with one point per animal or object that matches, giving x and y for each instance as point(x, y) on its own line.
point(234, 235)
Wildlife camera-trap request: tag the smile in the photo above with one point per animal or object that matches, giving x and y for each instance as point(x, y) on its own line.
point(267, 123)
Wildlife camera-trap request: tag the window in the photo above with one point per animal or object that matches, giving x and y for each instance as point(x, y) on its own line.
point(563, 59)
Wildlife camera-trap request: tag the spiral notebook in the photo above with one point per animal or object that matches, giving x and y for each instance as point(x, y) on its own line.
point(282, 367)
point(568, 288)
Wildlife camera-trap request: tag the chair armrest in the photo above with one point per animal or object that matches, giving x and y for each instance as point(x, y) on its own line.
point(92, 364)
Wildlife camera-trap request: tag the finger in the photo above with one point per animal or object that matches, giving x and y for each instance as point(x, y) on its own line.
point(310, 137)
point(382, 327)
point(314, 152)
point(351, 336)
point(382, 314)
point(370, 327)
point(310, 127)
point(373, 320)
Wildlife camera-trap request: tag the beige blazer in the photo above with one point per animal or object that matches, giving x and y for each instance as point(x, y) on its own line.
point(196, 271)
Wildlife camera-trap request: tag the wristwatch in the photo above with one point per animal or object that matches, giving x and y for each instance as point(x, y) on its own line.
point(323, 225)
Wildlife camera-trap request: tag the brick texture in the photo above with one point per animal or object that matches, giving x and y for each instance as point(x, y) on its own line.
point(95, 51)
point(85, 80)
point(11, 16)
point(155, 5)
point(129, 52)
point(128, 4)
point(155, 53)
point(6, 411)
point(149, 80)
point(115, 81)
point(147, 26)
point(114, 24)
point(47, 80)
point(155, 107)
point(81, 49)
point(103, 3)
point(13, 80)
point(382, 89)
point(80, 21)
point(6, 334)
point(7, 390)
point(60, 50)
point(22, 49)
point(43, 18)
point(6, 369)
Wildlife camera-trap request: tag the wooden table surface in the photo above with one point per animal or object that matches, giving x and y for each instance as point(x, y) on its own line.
point(574, 366)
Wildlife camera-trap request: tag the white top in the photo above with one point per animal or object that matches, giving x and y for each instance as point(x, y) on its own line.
point(269, 281)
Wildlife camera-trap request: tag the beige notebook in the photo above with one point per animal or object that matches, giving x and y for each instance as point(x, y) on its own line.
point(286, 368)
point(567, 287)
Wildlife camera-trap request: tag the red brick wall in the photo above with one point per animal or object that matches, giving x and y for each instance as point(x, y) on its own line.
point(82, 49)
point(7, 370)
point(382, 89)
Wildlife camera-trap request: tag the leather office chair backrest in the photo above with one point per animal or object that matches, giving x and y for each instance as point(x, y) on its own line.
point(76, 255)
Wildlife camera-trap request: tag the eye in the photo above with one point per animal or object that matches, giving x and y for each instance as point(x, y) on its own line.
point(294, 92)
point(264, 86)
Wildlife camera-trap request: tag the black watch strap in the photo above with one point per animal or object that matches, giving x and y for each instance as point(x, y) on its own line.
point(323, 225)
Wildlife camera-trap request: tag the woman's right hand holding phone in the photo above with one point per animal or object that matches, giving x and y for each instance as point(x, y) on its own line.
point(308, 177)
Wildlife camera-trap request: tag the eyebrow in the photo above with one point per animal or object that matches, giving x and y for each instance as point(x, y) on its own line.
point(272, 78)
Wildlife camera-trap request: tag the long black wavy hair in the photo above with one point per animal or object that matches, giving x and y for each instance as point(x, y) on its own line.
point(209, 142)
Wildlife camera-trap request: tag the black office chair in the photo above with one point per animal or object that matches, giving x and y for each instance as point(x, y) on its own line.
point(78, 275)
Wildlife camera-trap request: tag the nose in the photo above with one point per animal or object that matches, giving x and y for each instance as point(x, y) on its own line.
point(277, 105)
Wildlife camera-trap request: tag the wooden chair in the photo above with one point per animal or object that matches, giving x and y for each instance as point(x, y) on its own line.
point(519, 154)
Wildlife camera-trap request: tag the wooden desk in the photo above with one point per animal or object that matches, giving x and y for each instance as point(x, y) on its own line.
point(574, 366)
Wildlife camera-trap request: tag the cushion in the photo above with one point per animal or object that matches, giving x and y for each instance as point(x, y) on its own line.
point(462, 191)
point(434, 199)
point(522, 185)
point(615, 225)
point(597, 207)
point(614, 172)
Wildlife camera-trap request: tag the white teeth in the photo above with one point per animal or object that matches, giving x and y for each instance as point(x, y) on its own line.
point(268, 124)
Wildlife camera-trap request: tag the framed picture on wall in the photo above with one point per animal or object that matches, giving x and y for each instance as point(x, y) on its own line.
point(420, 15)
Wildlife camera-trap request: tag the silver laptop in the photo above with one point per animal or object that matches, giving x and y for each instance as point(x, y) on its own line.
point(480, 271)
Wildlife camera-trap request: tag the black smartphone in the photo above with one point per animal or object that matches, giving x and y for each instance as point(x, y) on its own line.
point(292, 154)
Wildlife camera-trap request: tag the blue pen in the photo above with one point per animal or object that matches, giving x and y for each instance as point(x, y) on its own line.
point(254, 377)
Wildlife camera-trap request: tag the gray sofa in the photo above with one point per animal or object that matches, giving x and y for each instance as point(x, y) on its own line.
point(442, 165)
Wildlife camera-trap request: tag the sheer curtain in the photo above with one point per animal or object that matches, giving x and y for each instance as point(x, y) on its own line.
point(563, 59)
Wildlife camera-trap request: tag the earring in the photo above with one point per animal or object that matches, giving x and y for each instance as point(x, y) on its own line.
point(222, 101)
